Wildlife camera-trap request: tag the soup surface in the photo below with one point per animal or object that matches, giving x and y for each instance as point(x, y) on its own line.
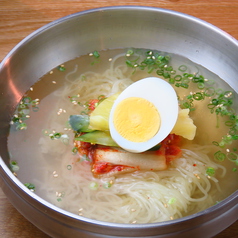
point(47, 157)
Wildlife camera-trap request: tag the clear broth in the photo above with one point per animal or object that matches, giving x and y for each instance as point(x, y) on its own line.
point(37, 167)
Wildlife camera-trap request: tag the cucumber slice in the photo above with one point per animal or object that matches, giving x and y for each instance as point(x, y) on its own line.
point(97, 137)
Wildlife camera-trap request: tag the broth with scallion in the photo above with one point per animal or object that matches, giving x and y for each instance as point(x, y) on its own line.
point(54, 155)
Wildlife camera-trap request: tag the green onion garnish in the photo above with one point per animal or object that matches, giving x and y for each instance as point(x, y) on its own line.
point(74, 150)
point(219, 156)
point(61, 68)
point(93, 185)
point(107, 185)
point(210, 171)
point(172, 201)
point(182, 68)
point(129, 53)
point(232, 156)
point(14, 166)
point(30, 186)
point(96, 54)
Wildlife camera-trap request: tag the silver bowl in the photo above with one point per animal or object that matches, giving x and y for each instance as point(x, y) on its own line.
point(113, 27)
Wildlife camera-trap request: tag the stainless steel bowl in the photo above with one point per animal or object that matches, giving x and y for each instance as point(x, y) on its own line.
point(113, 27)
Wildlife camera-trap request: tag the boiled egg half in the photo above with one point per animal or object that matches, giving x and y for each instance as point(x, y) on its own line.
point(143, 114)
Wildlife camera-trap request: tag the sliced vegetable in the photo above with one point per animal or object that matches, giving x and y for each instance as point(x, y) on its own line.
point(97, 137)
point(100, 116)
point(141, 161)
point(184, 125)
point(79, 123)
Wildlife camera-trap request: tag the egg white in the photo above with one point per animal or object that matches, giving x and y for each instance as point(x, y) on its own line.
point(163, 96)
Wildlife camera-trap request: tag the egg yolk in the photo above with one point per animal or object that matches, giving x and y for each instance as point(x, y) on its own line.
point(136, 119)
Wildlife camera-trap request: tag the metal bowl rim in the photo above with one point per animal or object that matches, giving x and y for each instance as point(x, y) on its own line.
point(34, 34)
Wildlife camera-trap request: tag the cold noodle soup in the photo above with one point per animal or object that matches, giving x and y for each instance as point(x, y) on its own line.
point(62, 149)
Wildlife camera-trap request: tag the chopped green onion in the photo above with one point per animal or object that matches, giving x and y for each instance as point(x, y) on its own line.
point(172, 201)
point(129, 52)
point(185, 80)
point(129, 63)
point(30, 186)
point(21, 126)
point(93, 185)
point(26, 100)
point(107, 185)
point(57, 135)
point(160, 72)
point(215, 143)
point(184, 85)
point(61, 68)
point(22, 106)
point(13, 162)
point(153, 61)
point(170, 68)
point(96, 54)
point(14, 166)
point(210, 171)
point(182, 68)
point(222, 144)
point(161, 65)
point(167, 57)
point(178, 78)
point(166, 75)
point(234, 137)
point(189, 76)
point(197, 79)
point(189, 96)
point(200, 85)
point(173, 72)
point(22, 112)
point(186, 105)
point(232, 156)
point(75, 150)
point(198, 96)
point(220, 156)
point(160, 57)
point(171, 80)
